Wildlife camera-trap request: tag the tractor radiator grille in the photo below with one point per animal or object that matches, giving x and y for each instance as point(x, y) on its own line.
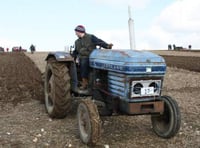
point(117, 84)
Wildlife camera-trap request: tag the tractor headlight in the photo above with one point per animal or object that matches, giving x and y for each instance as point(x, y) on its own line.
point(155, 85)
point(137, 88)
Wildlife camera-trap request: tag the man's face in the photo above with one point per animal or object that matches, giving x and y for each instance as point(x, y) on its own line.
point(79, 34)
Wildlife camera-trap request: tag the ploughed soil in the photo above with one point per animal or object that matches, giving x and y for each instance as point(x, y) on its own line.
point(24, 122)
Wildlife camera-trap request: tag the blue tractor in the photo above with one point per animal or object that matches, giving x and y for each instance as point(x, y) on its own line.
point(122, 82)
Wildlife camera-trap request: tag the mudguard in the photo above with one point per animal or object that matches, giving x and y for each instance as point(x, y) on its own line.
point(60, 56)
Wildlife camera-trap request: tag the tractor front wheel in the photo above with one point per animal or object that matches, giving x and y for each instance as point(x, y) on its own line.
point(167, 124)
point(89, 123)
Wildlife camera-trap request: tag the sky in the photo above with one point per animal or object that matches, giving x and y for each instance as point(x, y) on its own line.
point(50, 24)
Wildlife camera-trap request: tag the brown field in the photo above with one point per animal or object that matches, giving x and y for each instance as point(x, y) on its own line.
point(24, 122)
point(189, 60)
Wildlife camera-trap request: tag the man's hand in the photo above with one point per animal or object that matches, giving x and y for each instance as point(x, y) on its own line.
point(110, 46)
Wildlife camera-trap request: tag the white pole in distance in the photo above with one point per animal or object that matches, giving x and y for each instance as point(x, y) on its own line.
point(131, 30)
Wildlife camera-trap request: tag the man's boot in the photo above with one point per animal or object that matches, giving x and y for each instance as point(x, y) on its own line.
point(84, 84)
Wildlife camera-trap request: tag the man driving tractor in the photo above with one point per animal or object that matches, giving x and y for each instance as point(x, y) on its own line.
point(84, 45)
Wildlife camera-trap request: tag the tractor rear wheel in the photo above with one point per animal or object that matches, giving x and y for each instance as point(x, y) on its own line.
point(168, 124)
point(57, 89)
point(89, 123)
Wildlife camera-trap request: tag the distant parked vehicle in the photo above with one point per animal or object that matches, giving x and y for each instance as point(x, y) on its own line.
point(1, 49)
point(18, 49)
point(15, 49)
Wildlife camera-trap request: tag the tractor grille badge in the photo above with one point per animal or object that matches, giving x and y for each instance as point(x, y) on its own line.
point(148, 69)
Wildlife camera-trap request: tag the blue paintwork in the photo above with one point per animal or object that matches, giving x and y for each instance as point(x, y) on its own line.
point(117, 84)
point(128, 61)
